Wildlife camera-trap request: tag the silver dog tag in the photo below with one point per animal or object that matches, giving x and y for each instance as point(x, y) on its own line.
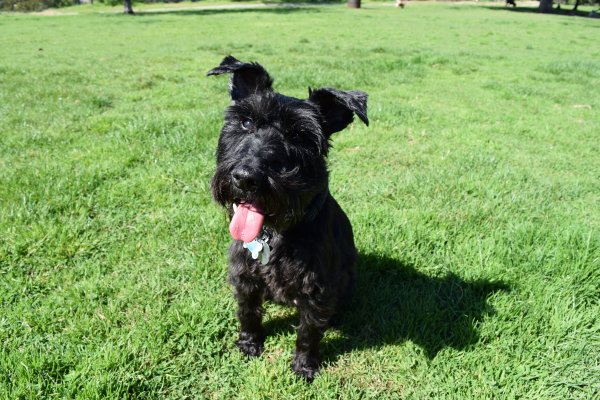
point(259, 247)
point(266, 253)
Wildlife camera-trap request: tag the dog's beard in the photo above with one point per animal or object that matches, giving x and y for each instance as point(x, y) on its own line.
point(282, 200)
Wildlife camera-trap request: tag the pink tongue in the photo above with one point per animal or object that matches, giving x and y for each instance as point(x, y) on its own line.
point(246, 223)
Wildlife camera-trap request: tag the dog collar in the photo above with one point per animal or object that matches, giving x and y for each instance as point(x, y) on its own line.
point(316, 205)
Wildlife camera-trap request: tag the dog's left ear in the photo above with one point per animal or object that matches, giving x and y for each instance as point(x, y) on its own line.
point(246, 78)
point(338, 107)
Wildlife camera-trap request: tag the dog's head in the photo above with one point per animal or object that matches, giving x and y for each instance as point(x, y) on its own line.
point(271, 156)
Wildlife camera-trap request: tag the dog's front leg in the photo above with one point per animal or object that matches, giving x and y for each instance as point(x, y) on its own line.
point(310, 332)
point(252, 333)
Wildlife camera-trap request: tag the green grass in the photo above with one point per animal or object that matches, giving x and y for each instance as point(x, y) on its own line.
point(474, 196)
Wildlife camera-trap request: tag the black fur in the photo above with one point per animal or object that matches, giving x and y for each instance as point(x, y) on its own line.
point(272, 153)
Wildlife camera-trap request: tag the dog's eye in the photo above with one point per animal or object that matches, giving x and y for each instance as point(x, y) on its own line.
point(247, 124)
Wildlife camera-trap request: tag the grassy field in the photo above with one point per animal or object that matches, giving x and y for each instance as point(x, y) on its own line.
point(474, 195)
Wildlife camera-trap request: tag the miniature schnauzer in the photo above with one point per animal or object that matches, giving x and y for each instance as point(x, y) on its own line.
point(292, 243)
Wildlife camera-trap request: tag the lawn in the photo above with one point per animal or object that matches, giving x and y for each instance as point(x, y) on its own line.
point(474, 196)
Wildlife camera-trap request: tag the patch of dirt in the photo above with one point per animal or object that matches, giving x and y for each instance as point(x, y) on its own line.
point(52, 12)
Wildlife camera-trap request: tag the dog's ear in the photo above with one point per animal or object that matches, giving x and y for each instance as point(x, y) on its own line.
point(246, 78)
point(338, 107)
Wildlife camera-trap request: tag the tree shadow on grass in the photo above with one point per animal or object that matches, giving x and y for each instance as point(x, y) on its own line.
point(269, 9)
point(567, 11)
point(394, 302)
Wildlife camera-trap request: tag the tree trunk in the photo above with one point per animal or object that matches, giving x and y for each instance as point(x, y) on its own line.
point(576, 5)
point(545, 6)
point(127, 7)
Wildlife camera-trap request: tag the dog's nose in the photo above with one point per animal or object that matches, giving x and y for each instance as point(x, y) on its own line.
point(246, 179)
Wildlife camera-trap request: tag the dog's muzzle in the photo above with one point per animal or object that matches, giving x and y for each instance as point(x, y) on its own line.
point(247, 179)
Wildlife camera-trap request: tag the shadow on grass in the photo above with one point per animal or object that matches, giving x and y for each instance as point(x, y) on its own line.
point(269, 8)
point(562, 11)
point(266, 10)
point(394, 302)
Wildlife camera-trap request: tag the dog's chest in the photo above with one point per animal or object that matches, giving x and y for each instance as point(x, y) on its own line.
point(283, 279)
point(294, 270)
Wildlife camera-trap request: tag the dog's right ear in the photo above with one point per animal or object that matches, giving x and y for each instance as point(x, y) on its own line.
point(246, 78)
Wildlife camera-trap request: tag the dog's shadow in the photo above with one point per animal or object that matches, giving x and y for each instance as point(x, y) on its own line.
point(393, 302)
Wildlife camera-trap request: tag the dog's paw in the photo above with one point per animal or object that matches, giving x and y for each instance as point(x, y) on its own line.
point(249, 345)
point(305, 366)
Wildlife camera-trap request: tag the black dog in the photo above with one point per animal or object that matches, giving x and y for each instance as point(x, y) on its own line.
point(292, 242)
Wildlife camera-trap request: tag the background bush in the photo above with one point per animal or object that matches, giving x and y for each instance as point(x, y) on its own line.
point(38, 5)
point(33, 5)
